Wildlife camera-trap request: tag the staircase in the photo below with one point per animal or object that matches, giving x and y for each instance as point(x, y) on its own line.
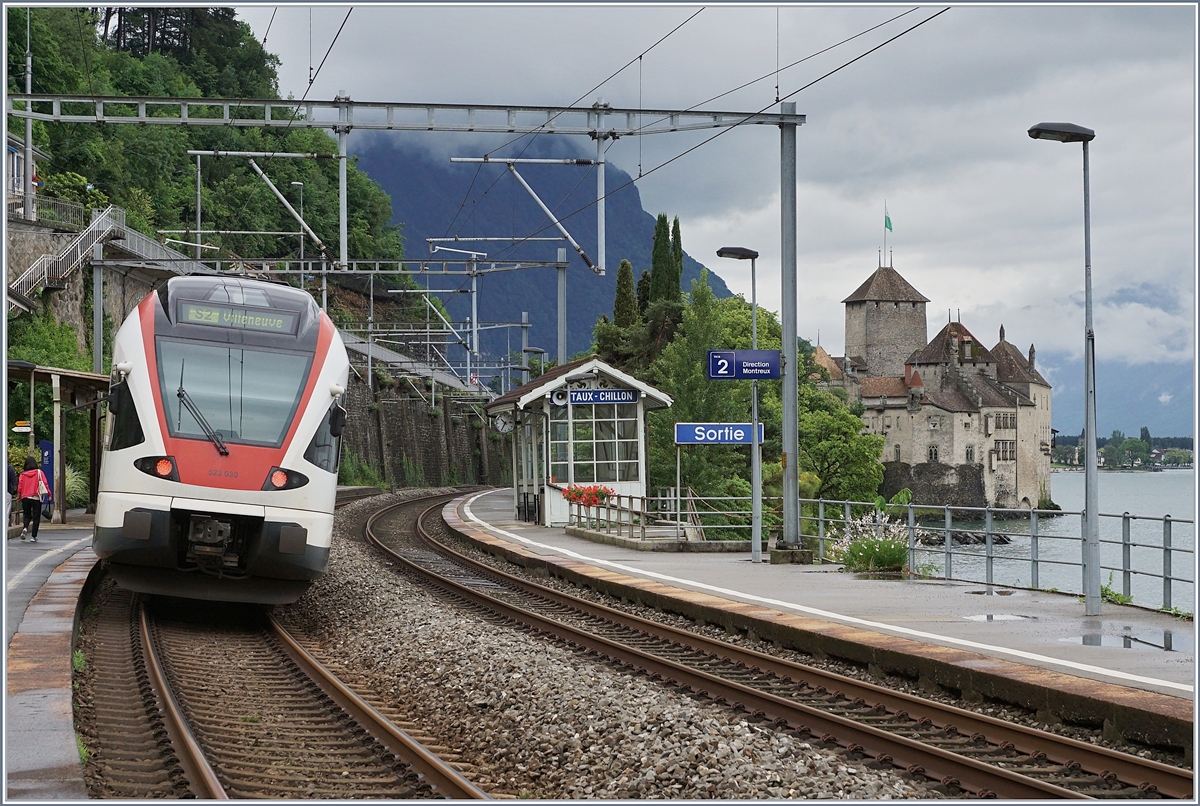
point(108, 225)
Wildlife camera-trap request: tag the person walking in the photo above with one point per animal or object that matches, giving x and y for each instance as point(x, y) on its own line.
point(31, 488)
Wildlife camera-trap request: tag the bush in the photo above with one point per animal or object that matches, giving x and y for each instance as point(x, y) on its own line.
point(875, 554)
point(870, 545)
point(76, 488)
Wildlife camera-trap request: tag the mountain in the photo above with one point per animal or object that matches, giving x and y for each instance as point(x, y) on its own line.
point(1158, 396)
point(428, 193)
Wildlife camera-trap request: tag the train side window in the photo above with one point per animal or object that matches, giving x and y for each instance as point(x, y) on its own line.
point(123, 419)
point(325, 449)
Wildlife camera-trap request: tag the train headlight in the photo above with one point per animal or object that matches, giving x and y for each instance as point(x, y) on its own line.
point(280, 479)
point(162, 467)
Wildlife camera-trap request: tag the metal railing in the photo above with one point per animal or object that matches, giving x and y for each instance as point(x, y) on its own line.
point(49, 269)
point(1025, 548)
point(632, 515)
point(43, 209)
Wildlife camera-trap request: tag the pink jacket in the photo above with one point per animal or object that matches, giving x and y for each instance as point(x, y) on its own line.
point(27, 484)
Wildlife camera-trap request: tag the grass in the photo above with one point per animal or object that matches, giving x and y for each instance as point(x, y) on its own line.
point(84, 752)
point(251, 718)
point(1182, 615)
point(873, 554)
point(78, 660)
point(1107, 594)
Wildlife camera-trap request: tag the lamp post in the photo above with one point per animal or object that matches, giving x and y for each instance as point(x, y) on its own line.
point(742, 253)
point(1071, 133)
point(301, 186)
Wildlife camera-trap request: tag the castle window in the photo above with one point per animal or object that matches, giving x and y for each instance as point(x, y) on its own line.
point(897, 452)
point(934, 423)
point(967, 423)
point(970, 453)
point(933, 453)
point(887, 422)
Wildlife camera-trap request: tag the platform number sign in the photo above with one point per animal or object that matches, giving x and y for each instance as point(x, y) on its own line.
point(722, 364)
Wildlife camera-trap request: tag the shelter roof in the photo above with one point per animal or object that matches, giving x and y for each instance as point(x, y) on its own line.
point(557, 378)
point(70, 378)
point(886, 285)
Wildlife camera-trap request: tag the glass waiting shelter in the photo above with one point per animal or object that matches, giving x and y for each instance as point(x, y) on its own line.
point(581, 423)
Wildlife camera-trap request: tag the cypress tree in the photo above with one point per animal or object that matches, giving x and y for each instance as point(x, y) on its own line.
point(625, 305)
point(643, 292)
point(662, 272)
point(676, 260)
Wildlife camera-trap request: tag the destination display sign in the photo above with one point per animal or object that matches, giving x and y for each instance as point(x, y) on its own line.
point(743, 365)
point(263, 319)
point(716, 433)
point(603, 396)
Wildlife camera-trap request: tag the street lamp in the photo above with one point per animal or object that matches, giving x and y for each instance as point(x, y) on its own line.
point(1071, 133)
point(742, 253)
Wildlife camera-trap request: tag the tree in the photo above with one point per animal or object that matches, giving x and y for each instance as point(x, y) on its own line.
point(1145, 437)
point(1177, 456)
point(625, 305)
point(1112, 449)
point(676, 259)
point(643, 292)
point(833, 447)
point(662, 270)
point(1134, 451)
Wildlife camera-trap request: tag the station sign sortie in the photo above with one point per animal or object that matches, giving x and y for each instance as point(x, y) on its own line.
point(743, 365)
point(716, 433)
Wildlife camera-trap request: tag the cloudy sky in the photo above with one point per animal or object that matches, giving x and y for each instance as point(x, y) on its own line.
point(986, 221)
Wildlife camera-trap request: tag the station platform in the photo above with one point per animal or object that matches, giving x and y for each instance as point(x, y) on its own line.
point(43, 585)
point(1129, 670)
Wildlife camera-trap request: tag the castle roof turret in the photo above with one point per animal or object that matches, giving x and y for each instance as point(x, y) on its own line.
point(886, 285)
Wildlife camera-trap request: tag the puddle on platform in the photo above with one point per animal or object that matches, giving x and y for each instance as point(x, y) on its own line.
point(882, 575)
point(990, 592)
point(999, 617)
point(1162, 640)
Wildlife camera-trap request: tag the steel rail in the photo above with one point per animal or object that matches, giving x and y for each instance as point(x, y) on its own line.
point(1173, 782)
point(941, 765)
point(201, 776)
point(440, 775)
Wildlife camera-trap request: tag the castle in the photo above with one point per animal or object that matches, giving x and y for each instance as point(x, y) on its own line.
point(962, 424)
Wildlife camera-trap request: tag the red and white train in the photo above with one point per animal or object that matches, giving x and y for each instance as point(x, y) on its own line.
point(221, 449)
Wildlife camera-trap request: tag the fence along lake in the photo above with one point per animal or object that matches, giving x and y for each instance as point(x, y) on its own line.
point(1140, 493)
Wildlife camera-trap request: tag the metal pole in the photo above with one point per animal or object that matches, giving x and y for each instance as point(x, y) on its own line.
point(678, 494)
point(197, 207)
point(1166, 566)
point(324, 264)
point(28, 179)
point(59, 464)
point(32, 389)
point(791, 435)
point(97, 309)
point(370, 337)
point(524, 347)
point(474, 316)
point(1125, 566)
point(562, 306)
point(1091, 574)
point(755, 447)
point(599, 189)
point(343, 130)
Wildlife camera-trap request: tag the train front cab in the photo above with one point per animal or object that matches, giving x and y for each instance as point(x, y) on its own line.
point(178, 516)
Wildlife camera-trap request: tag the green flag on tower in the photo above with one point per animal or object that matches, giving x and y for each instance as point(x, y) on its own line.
point(887, 222)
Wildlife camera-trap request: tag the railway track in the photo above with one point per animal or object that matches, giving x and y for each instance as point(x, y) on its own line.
point(964, 751)
point(233, 707)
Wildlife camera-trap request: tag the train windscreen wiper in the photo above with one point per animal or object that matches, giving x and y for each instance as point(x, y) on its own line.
point(186, 399)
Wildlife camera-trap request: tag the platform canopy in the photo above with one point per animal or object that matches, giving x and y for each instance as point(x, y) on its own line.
point(590, 369)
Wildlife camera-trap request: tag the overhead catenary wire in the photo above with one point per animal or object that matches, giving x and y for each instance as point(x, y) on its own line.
point(746, 118)
point(533, 135)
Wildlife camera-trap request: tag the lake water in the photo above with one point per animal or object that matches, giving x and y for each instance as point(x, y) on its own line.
point(1148, 495)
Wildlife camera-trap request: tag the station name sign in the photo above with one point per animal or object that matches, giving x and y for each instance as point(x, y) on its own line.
point(584, 396)
point(716, 433)
point(743, 365)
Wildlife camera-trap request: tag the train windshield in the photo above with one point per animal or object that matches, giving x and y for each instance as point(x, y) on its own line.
point(245, 395)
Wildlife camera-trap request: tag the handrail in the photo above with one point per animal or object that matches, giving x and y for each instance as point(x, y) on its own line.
point(72, 257)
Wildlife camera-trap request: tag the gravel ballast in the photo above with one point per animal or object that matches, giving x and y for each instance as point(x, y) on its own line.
point(539, 720)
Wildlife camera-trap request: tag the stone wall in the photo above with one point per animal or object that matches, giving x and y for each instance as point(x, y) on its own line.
point(28, 242)
point(411, 444)
point(884, 334)
point(935, 483)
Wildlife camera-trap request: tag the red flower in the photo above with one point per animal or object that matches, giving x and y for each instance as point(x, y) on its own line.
point(590, 496)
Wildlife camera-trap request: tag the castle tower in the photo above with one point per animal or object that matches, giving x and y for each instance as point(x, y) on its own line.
point(885, 323)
